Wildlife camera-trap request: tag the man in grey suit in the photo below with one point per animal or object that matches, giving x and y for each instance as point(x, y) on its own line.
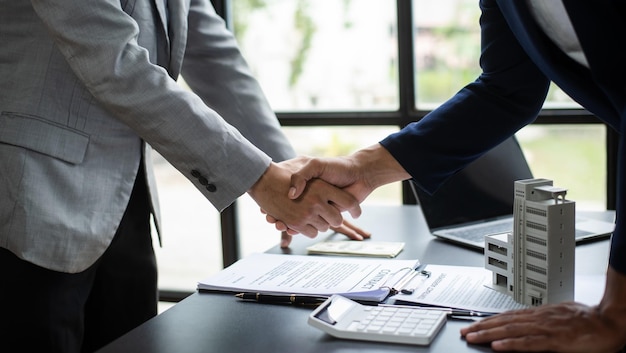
point(86, 87)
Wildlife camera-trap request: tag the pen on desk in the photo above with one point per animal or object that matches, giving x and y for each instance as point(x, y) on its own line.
point(281, 299)
point(451, 312)
point(468, 313)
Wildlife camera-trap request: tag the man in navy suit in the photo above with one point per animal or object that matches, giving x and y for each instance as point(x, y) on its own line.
point(579, 45)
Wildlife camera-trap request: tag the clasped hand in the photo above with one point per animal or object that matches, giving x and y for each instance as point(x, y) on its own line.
point(306, 180)
point(317, 209)
point(357, 175)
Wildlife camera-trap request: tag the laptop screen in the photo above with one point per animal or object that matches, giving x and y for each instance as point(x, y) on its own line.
point(482, 190)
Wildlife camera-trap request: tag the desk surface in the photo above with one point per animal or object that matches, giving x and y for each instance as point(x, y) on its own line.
point(214, 322)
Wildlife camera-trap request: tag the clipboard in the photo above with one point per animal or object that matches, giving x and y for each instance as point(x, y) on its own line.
point(404, 281)
point(407, 280)
point(458, 287)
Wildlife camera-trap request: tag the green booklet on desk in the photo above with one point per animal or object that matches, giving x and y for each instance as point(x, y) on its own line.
point(361, 279)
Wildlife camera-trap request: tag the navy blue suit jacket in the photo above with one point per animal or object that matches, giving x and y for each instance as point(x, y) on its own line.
point(518, 62)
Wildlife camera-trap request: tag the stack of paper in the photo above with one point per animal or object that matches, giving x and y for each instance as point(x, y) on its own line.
point(361, 279)
point(365, 280)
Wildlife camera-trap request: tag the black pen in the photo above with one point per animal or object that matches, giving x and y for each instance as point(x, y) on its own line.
point(468, 313)
point(450, 311)
point(281, 299)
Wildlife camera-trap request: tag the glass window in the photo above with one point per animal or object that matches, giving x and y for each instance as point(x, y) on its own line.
point(321, 55)
point(191, 232)
point(447, 49)
point(573, 156)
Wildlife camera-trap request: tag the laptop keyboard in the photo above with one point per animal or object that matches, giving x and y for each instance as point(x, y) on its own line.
point(477, 233)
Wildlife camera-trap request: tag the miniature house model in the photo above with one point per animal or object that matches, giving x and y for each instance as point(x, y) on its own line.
point(535, 263)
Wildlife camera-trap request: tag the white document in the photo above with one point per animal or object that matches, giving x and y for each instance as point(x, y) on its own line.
point(363, 279)
point(457, 287)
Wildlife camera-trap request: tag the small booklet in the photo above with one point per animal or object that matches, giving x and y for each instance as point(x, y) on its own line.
point(357, 248)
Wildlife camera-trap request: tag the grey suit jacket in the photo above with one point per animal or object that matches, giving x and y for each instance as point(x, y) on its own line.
point(85, 86)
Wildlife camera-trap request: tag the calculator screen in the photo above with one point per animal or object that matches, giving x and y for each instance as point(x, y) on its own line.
point(335, 310)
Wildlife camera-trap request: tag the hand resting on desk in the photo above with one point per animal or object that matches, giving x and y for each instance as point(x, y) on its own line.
point(348, 229)
point(564, 327)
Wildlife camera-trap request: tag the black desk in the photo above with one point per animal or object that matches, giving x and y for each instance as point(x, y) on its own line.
point(211, 322)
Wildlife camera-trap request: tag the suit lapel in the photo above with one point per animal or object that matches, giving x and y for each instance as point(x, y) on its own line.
point(173, 22)
point(161, 6)
point(161, 30)
point(178, 10)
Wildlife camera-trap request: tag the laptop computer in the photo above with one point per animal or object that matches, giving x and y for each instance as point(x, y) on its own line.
point(478, 200)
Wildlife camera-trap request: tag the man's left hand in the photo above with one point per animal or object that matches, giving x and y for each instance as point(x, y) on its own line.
point(346, 228)
point(565, 327)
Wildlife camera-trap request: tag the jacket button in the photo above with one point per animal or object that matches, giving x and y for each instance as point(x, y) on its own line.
point(211, 187)
point(203, 181)
point(195, 173)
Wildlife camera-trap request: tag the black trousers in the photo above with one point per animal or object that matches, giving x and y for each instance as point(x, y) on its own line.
point(48, 311)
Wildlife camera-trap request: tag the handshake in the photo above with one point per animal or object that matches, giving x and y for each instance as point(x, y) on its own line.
point(308, 195)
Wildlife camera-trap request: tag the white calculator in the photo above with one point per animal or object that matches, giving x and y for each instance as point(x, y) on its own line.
point(345, 318)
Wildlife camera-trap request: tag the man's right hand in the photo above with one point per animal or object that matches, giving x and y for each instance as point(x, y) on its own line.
point(316, 209)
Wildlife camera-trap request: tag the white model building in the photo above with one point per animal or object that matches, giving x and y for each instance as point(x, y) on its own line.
point(535, 263)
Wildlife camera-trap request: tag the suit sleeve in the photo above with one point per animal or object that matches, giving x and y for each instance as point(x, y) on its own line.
point(215, 69)
point(99, 41)
point(507, 95)
point(617, 260)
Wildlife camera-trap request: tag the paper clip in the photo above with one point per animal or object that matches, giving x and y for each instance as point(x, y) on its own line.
point(424, 273)
point(407, 278)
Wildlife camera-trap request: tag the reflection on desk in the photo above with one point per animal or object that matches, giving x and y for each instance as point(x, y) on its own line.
point(212, 322)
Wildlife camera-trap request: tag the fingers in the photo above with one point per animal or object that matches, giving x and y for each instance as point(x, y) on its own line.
point(307, 215)
point(507, 332)
point(352, 231)
point(285, 239)
point(329, 204)
point(342, 201)
point(317, 208)
point(298, 184)
point(489, 328)
point(311, 169)
point(514, 337)
point(329, 201)
point(295, 164)
point(563, 327)
point(348, 229)
point(319, 224)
